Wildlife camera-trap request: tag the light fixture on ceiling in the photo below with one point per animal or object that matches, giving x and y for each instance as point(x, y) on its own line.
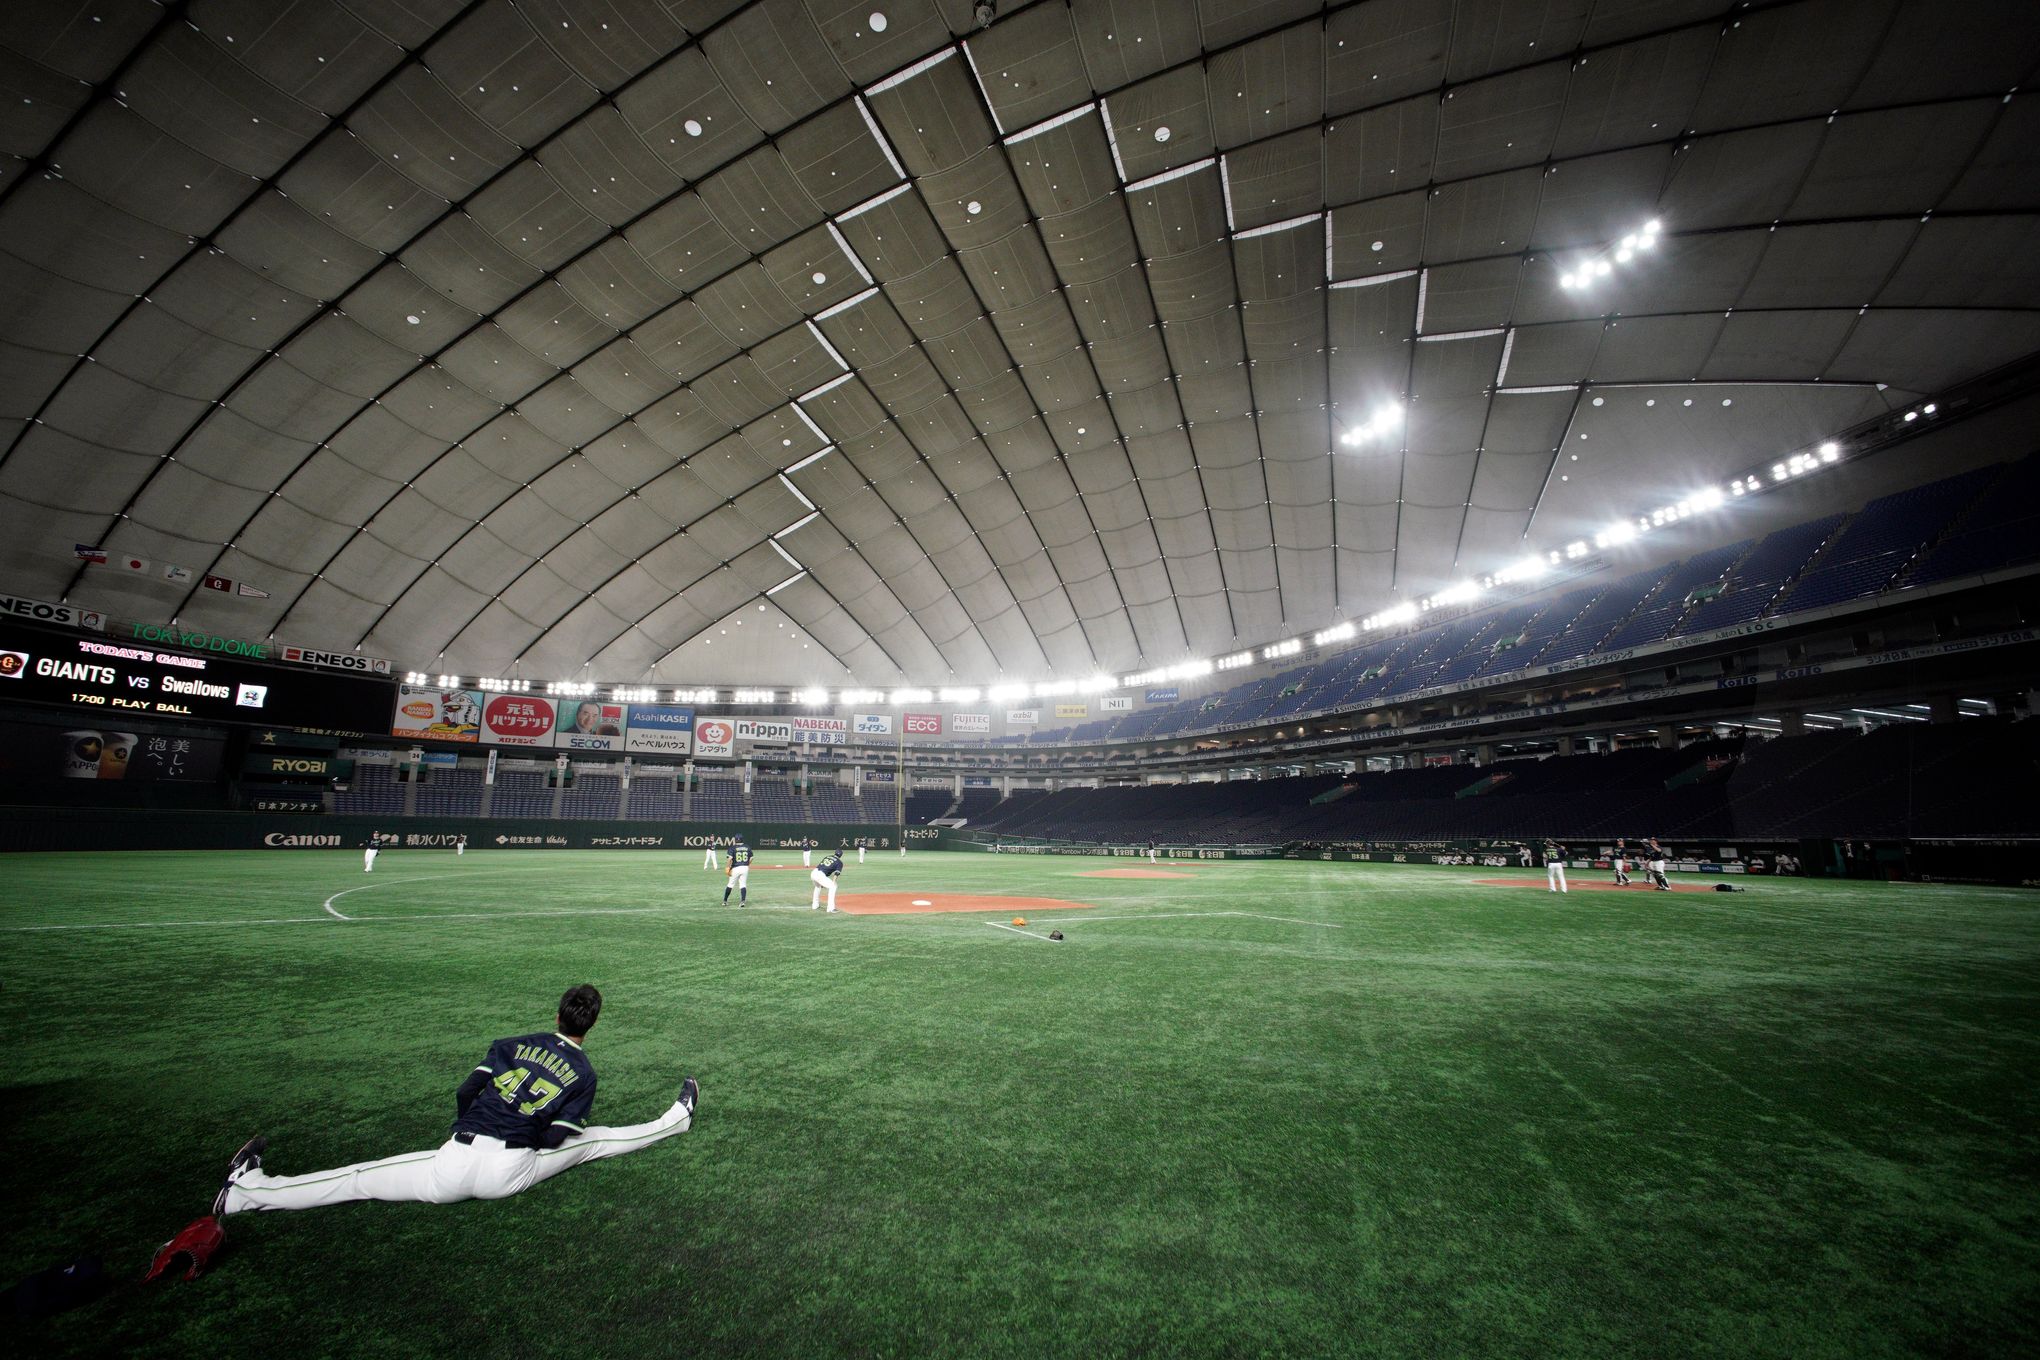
point(1600, 264)
point(1384, 420)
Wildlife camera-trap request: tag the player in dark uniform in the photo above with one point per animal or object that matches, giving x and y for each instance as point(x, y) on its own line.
point(522, 1117)
point(738, 875)
point(824, 876)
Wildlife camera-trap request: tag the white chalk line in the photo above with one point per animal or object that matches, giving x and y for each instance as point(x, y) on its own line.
point(1189, 915)
point(1016, 930)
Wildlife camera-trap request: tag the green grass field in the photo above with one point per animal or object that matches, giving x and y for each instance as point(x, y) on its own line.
point(1417, 1117)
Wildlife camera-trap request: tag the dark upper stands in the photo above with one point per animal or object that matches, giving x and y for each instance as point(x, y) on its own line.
point(1959, 525)
point(1970, 778)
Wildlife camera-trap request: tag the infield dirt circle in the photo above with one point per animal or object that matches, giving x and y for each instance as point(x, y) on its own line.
point(927, 903)
point(1578, 884)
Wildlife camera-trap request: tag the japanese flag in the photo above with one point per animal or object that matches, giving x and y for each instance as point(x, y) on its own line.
point(132, 563)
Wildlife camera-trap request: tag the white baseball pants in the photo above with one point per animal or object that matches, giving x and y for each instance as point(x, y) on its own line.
point(860, 854)
point(711, 862)
point(807, 859)
point(740, 877)
point(483, 1169)
point(1554, 876)
point(822, 881)
point(368, 860)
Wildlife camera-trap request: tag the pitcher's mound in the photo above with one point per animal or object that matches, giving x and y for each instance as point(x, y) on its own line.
point(924, 903)
point(1590, 885)
point(1132, 873)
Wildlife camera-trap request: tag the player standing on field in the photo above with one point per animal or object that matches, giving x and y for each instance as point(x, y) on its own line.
point(459, 846)
point(1621, 864)
point(1554, 867)
point(1151, 850)
point(710, 861)
point(521, 1117)
point(369, 850)
point(739, 875)
point(824, 876)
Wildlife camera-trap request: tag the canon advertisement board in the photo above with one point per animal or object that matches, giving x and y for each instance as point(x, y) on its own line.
point(111, 679)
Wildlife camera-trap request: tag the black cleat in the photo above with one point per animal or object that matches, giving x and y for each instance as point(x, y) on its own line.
point(249, 1158)
point(690, 1095)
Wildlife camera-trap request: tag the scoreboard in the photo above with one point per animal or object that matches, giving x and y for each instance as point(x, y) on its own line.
point(120, 679)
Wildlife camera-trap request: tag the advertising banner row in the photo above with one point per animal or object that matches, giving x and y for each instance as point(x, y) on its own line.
point(429, 713)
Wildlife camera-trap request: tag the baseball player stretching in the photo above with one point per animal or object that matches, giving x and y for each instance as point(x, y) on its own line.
point(824, 876)
point(739, 874)
point(710, 862)
point(522, 1118)
point(1554, 867)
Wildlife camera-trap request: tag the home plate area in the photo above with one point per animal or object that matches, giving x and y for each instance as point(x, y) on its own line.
point(912, 904)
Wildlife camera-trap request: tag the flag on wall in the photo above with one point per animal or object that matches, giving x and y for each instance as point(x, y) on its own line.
point(89, 553)
point(173, 572)
point(169, 571)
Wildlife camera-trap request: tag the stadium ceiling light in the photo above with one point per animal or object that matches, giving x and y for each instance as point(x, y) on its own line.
point(755, 696)
point(1054, 689)
point(1005, 694)
point(911, 696)
point(1338, 632)
point(861, 696)
point(960, 695)
point(814, 697)
point(702, 697)
point(1383, 421)
point(1601, 263)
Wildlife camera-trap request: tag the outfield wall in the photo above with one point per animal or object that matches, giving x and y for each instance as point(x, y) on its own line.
point(42, 828)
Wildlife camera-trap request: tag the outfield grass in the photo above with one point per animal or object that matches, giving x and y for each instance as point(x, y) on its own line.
point(1439, 1119)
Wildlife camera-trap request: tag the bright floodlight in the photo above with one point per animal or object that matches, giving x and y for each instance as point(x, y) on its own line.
point(1624, 255)
point(1651, 227)
point(1830, 451)
point(1603, 267)
point(1565, 280)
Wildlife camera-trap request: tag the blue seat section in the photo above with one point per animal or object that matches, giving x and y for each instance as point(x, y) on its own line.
point(834, 803)
point(2002, 531)
point(1662, 611)
point(1759, 577)
point(521, 793)
point(1546, 625)
point(374, 791)
point(773, 800)
point(1600, 618)
point(719, 799)
point(655, 798)
point(1882, 540)
point(450, 793)
point(593, 797)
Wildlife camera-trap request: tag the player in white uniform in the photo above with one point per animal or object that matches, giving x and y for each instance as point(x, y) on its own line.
point(460, 847)
point(1554, 868)
point(521, 1120)
point(860, 849)
point(370, 851)
point(824, 876)
point(807, 853)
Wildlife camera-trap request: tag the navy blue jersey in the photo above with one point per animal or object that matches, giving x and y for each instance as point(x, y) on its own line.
point(740, 856)
point(832, 864)
point(534, 1091)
